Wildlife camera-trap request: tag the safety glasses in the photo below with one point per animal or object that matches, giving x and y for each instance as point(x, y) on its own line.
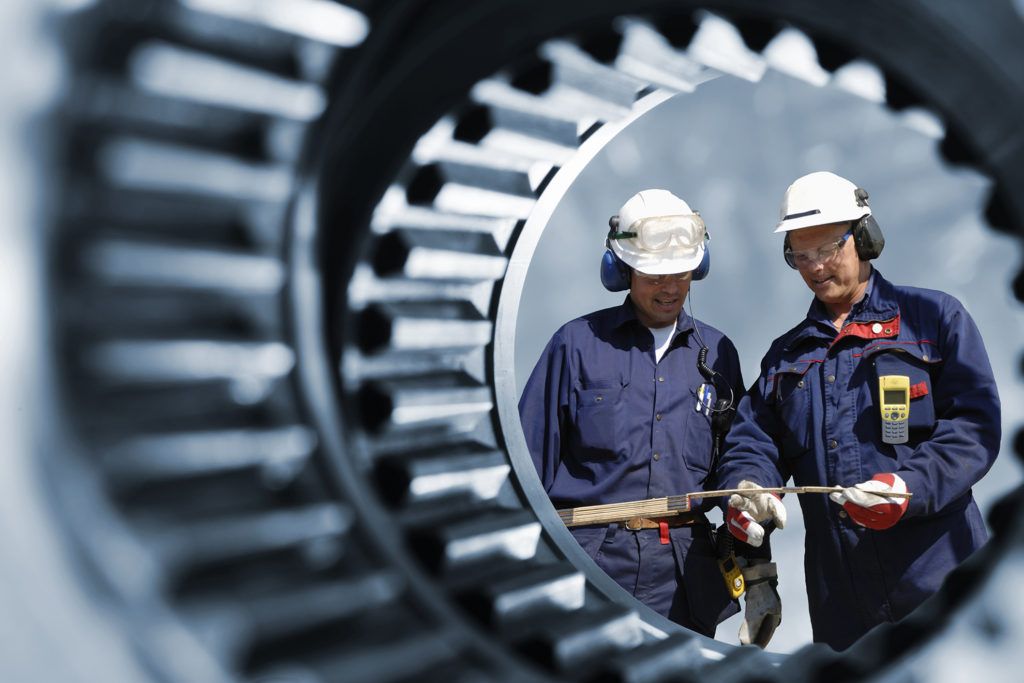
point(806, 258)
point(659, 232)
point(658, 280)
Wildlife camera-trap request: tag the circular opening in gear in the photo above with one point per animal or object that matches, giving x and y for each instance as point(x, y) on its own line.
point(730, 149)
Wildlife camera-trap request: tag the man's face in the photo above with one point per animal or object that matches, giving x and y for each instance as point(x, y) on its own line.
point(838, 280)
point(659, 298)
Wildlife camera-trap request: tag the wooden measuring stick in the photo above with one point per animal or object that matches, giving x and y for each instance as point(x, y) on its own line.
point(673, 505)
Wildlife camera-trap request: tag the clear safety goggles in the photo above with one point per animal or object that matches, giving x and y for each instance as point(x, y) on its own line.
point(659, 232)
point(809, 257)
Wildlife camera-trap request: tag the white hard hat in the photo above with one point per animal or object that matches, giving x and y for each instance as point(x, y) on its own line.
point(659, 234)
point(821, 198)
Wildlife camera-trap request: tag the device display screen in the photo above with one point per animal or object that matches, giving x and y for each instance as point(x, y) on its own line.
point(894, 397)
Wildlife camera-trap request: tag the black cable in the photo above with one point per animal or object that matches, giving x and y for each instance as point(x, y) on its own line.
point(707, 372)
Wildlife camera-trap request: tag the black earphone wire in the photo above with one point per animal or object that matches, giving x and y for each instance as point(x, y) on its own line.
point(706, 371)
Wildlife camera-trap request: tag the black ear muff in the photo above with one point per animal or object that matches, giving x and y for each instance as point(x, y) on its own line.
point(785, 252)
point(868, 238)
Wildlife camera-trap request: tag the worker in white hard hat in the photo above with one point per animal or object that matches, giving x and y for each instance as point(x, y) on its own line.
point(882, 391)
point(621, 406)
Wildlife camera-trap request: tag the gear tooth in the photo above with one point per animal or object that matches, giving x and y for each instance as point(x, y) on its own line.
point(647, 54)
point(526, 595)
point(580, 642)
point(533, 116)
point(194, 76)
point(132, 263)
point(793, 53)
point(471, 537)
point(133, 163)
point(439, 255)
point(424, 326)
point(400, 656)
point(671, 659)
point(189, 547)
point(261, 614)
point(718, 45)
point(578, 71)
point(450, 402)
point(311, 20)
point(151, 458)
point(143, 362)
point(467, 470)
point(464, 165)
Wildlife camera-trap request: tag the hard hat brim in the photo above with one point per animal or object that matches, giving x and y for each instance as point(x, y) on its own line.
point(817, 219)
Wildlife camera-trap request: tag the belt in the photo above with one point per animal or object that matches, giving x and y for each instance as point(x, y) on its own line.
point(684, 519)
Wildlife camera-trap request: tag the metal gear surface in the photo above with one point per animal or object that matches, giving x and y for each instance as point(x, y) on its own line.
point(283, 251)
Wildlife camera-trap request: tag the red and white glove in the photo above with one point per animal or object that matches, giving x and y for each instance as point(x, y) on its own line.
point(867, 504)
point(747, 510)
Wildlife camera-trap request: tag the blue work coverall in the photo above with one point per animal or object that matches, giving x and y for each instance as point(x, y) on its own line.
point(605, 422)
point(814, 415)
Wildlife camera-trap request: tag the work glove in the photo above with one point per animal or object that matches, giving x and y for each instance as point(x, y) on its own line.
point(747, 511)
point(867, 504)
point(763, 609)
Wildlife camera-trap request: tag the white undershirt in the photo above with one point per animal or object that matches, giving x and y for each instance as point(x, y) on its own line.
point(662, 339)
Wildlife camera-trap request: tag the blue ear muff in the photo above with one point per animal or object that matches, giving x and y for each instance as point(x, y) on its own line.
point(614, 273)
point(704, 267)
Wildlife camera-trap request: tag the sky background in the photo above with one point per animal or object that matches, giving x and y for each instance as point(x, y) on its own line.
point(730, 150)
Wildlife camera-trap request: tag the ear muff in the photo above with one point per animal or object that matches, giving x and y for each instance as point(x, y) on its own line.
point(615, 274)
point(868, 238)
point(704, 267)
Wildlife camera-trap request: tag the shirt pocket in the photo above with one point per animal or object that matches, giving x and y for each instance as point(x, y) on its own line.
point(789, 387)
point(697, 444)
point(917, 362)
point(599, 409)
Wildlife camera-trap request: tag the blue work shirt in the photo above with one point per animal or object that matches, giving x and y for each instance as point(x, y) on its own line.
point(606, 422)
point(814, 415)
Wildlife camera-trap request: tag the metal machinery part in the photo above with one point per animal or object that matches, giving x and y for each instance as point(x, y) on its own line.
point(286, 246)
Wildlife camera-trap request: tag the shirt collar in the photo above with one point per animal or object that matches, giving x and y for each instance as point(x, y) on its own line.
point(877, 305)
point(626, 313)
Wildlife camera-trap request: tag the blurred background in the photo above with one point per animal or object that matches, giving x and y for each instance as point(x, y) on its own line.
point(730, 150)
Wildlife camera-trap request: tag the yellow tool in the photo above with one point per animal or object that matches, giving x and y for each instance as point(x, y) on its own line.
point(730, 569)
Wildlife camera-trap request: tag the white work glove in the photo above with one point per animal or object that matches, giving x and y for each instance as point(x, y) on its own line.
point(763, 609)
point(867, 504)
point(747, 510)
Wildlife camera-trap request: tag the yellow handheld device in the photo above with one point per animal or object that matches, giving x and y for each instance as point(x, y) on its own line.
point(894, 399)
point(733, 576)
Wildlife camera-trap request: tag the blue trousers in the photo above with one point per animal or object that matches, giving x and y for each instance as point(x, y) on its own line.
point(679, 580)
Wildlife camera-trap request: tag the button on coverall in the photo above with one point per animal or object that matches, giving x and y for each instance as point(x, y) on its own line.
point(606, 423)
point(814, 415)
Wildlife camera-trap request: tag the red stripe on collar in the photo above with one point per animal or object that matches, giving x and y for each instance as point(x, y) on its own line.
point(870, 330)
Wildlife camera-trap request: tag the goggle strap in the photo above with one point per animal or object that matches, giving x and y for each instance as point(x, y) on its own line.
point(621, 235)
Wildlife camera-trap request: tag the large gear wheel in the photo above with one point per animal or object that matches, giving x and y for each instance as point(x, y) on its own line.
point(284, 248)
